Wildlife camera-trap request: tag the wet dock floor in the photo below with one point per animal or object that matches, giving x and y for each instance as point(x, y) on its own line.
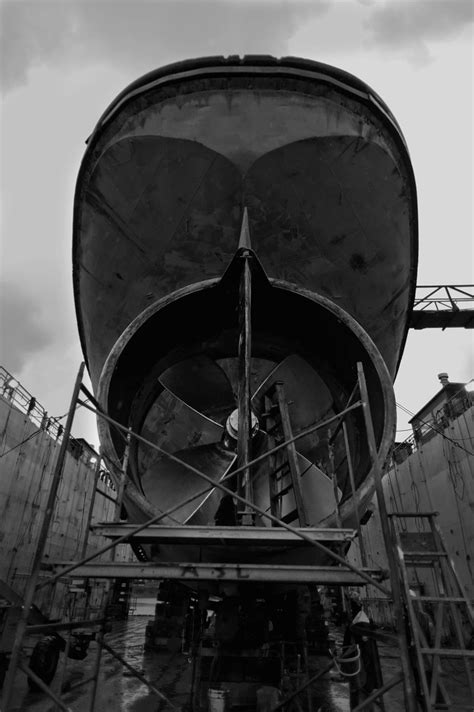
point(171, 673)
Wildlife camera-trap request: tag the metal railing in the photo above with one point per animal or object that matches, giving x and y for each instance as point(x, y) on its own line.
point(17, 395)
point(24, 401)
point(434, 424)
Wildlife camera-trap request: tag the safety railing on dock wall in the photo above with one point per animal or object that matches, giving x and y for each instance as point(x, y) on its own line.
point(434, 425)
point(19, 397)
point(23, 400)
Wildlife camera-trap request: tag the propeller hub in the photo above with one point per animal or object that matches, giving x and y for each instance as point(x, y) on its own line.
point(232, 424)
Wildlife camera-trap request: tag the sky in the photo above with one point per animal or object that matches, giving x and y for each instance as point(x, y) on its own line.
point(63, 61)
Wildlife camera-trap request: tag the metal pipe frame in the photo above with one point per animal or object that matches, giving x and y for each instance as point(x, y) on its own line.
point(170, 511)
point(16, 662)
point(184, 571)
point(363, 555)
point(243, 396)
point(307, 431)
point(205, 535)
point(240, 499)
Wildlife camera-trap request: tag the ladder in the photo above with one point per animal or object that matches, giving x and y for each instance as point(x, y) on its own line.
point(282, 464)
point(449, 605)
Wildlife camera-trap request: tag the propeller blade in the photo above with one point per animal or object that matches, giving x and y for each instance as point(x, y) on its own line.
point(260, 368)
point(173, 425)
point(202, 384)
point(316, 489)
point(167, 482)
point(204, 514)
point(209, 505)
point(309, 399)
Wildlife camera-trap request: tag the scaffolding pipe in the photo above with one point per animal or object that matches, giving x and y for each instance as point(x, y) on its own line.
point(242, 500)
point(91, 506)
point(96, 673)
point(168, 512)
point(43, 686)
point(303, 433)
point(36, 567)
point(408, 678)
point(363, 555)
point(243, 395)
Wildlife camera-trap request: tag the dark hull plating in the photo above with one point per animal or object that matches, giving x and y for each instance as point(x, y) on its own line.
point(322, 168)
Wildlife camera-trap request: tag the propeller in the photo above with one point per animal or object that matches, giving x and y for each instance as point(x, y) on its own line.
point(195, 415)
point(191, 419)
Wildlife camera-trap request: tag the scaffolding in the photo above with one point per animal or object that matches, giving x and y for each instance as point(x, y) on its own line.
point(327, 541)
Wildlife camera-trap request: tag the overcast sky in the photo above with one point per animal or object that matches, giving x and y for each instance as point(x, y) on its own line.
point(63, 61)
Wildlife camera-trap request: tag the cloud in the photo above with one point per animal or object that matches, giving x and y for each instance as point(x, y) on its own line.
point(140, 34)
point(24, 330)
point(410, 26)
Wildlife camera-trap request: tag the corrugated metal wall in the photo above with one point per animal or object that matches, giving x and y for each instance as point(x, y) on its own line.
point(27, 457)
point(438, 476)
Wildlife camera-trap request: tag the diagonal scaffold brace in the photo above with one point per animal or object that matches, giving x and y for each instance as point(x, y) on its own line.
point(33, 584)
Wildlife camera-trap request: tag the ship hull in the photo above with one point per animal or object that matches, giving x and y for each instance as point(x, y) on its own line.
point(318, 164)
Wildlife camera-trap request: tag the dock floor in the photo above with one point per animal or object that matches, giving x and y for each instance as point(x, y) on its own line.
point(171, 672)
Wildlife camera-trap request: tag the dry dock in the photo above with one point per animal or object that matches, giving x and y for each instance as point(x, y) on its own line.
point(171, 672)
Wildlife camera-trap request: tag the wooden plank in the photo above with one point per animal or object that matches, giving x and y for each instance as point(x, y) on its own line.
point(202, 535)
point(401, 515)
point(448, 652)
point(223, 572)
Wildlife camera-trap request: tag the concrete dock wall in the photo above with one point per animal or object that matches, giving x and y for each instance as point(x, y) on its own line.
point(27, 457)
point(437, 476)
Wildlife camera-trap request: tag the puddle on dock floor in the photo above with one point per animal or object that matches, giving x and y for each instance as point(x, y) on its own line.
point(171, 672)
